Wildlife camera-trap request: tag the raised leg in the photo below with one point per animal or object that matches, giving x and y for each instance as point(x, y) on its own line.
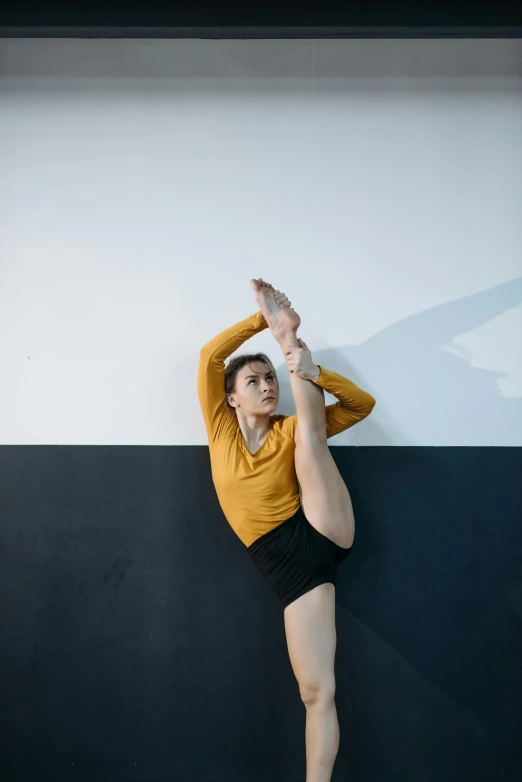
point(312, 639)
point(324, 497)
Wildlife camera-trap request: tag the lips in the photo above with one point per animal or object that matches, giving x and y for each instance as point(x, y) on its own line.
point(268, 398)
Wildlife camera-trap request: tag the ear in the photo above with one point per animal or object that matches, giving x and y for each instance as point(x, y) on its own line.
point(231, 401)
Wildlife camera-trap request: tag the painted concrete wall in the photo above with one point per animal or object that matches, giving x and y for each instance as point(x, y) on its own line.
point(378, 183)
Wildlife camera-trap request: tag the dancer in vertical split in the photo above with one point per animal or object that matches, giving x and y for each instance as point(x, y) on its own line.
point(282, 494)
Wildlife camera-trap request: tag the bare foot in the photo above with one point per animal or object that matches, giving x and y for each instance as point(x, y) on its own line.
point(282, 320)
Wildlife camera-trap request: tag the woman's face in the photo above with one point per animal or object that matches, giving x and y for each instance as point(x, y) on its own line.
point(256, 390)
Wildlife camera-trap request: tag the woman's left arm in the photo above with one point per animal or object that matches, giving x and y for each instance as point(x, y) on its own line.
point(354, 404)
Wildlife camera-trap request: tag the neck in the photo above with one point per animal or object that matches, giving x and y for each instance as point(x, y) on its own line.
point(254, 427)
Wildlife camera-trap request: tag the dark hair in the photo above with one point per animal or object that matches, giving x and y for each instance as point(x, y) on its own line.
point(238, 363)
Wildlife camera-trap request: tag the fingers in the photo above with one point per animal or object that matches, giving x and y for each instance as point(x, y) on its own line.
point(282, 300)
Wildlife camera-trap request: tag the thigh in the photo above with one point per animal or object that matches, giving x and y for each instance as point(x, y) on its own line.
point(311, 639)
point(324, 497)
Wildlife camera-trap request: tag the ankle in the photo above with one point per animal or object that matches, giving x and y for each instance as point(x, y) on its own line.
point(288, 340)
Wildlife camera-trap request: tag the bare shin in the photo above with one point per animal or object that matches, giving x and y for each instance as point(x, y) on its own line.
point(309, 401)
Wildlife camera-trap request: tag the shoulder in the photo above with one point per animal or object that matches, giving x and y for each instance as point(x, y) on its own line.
point(226, 428)
point(285, 424)
point(278, 420)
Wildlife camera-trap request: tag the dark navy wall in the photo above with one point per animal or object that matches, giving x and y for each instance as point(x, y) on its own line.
point(138, 641)
point(228, 18)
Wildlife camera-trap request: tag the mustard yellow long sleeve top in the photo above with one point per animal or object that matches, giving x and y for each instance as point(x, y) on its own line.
point(259, 491)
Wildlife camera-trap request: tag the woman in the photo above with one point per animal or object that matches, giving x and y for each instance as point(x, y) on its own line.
point(281, 492)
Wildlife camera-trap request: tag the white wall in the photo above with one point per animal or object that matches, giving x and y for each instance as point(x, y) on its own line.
point(378, 183)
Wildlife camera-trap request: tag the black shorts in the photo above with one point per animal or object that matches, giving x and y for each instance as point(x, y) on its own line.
point(294, 557)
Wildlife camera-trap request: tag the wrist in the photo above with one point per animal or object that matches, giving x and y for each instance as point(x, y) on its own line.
point(317, 372)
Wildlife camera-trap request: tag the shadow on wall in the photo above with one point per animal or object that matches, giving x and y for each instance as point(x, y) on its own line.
point(442, 382)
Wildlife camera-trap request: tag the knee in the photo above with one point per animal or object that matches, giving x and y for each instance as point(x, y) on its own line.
point(318, 692)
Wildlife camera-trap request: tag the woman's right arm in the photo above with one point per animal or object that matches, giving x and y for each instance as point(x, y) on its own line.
point(211, 369)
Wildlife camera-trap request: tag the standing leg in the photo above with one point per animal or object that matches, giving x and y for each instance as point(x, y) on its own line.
point(311, 639)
